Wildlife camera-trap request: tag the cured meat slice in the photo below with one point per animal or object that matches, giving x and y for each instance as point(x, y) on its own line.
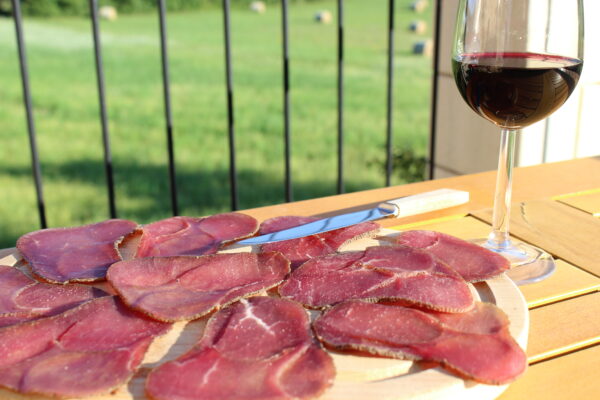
point(24, 299)
point(187, 287)
point(78, 254)
point(473, 262)
point(303, 249)
point(475, 344)
point(258, 348)
point(90, 349)
point(192, 236)
point(379, 273)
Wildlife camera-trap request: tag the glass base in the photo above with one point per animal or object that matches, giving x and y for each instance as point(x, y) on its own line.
point(529, 264)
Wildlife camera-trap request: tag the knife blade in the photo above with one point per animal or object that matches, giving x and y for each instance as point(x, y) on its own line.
point(398, 208)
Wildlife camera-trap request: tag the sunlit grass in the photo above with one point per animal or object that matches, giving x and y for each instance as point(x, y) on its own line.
point(63, 84)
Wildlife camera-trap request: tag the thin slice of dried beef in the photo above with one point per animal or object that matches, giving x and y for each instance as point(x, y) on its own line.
point(303, 249)
point(24, 299)
point(91, 349)
point(473, 262)
point(78, 254)
point(259, 348)
point(379, 273)
point(188, 287)
point(177, 236)
point(475, 344)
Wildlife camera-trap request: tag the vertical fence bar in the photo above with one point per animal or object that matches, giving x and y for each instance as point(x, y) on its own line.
point(390, 91)
point(340, 94)
point(35, 162)
point(167, 100)
point(230, 119)
point(103, 118)
point(434, 87)
point(286, 100)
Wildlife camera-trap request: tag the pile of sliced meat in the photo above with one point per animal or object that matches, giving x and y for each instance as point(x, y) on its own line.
point(303, 249)
point(186, 287)
point(93, 348)
point(379, 273)
point(474, 263)
point(79, 254)
point(24, 299)
point(190, 236)
point(477, 344)
point(408, 299)
point(261, 348)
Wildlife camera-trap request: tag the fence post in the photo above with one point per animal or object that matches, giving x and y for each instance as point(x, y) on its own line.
point(230, 119)
point(35, 162)
point(103, 117)
point(286, 100)
point(390, 92)
point(434, 87)
point(340, 94)
point(167, 101)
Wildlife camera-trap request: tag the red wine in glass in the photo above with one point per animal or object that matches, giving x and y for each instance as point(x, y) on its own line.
point(515, 62)
point(514, 90)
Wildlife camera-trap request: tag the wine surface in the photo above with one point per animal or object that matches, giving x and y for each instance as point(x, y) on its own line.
point(514, 90)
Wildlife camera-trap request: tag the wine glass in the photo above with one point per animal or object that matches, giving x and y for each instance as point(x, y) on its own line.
point(515, 62)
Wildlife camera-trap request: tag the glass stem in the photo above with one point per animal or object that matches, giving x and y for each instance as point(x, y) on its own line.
point(499, 238)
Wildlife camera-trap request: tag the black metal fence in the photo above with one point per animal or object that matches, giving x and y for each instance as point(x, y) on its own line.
point(108, 165)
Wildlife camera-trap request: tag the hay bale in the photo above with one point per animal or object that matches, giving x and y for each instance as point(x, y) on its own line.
point(108, 12)
point(419, 6)
point(258, 7)
point(323, 17)
point(418, 27)
point(423, 47)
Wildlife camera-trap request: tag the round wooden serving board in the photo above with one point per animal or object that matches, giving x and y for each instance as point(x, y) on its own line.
point(358, 377)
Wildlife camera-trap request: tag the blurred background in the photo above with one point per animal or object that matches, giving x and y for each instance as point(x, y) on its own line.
point(60, 54)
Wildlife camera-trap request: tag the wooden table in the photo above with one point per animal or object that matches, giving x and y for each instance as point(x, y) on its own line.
point(556, 207)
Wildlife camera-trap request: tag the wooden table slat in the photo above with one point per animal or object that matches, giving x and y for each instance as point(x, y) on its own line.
point(465, 228)
point(567, 281)
point(563, 327)
point(561, 230)
point(588, 202)
point(573, 376)
point(530, 183)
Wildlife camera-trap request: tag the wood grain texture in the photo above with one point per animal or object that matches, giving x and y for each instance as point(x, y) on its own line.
point(464, 227)
point(530, 183)
point(563, 327)
point(573, 376)
point(566, 282)
point(588, 202)
point(559, 229)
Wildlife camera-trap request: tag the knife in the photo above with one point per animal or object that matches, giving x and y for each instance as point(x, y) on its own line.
point(398, 208)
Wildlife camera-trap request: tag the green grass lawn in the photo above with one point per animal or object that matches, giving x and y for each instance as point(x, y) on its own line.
point(63, 85)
